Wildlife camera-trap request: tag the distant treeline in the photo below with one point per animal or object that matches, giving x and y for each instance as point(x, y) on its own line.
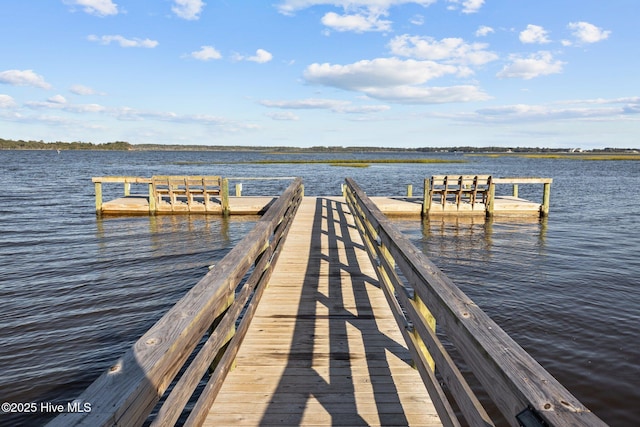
point(7, 144)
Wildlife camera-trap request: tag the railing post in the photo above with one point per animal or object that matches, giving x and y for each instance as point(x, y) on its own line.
point(410, 190)
point(224, 196)
point(515, 190)
point(546, 195)
point(426, 197)
point(239, 190)
point(127, 188)
point(98, 189)
point(491, 199)
point(152, 199)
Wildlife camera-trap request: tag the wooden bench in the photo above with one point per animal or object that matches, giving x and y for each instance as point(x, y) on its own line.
point(444, 185)
point(212, 187)
point(161, 189)
point(474, 187)
point(192, 190)
point(457, 188)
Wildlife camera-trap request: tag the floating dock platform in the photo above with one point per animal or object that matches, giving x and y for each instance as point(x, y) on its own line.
point(446, 195)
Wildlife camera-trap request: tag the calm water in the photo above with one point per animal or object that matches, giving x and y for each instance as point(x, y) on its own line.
point(76, 291)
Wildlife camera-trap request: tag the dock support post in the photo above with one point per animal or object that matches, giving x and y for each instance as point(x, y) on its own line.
point(98, 188)
point(515, 190)
point(239, 190)
point(426, 197)
point(410, 190)
point(152, 200)
point(127, 188)
point(224, 196)
point(490, 199)
point(546, 195)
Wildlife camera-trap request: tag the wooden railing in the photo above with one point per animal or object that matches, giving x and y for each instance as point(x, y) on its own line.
point(154, 194)
point(546, 192)
point(523, 392)
point(126, 180)
point(198, 335)
point(239, 181)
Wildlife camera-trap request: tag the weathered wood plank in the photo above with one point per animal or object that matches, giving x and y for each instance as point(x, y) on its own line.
point(324, 338)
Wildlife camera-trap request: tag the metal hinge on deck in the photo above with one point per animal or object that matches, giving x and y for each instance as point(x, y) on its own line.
point(528, 417)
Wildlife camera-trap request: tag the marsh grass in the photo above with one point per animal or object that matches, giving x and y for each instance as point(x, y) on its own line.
point(355, 163)
point(567, 156)
point(350, 165)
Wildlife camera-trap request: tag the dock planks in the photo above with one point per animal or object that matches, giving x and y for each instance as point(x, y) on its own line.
point(323, 347)
point(393, 206)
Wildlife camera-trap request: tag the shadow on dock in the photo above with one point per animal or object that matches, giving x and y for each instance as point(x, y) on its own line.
point(341, 313)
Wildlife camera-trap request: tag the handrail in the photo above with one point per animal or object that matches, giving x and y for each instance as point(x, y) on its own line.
point(546, 192)
point(523, 391)
point(126, 180)
point(238, 186)
point(130, 389)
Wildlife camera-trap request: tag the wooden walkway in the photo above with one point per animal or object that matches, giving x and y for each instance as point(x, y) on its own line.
point(323, 347)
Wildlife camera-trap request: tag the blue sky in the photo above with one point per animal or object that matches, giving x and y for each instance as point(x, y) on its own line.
point(393, 73)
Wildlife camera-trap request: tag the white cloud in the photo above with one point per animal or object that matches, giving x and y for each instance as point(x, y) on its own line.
point(393, 79)
point(283, 116)
point(537, 64)
point(625, 100)
point(262, 56)
point(417, 20)
point(289, 7)
point(451, 50)
point(58, 102)
point(468, 6)
point(23, 78)
point(385, 72)
point(534, 34)
point(578, 109)
point(123, 42)
point(358, 23)
point(82, 90)
point(428, 95)
point(484, 30)
point(359, 16)
point(335, 105)
point(206, 53)
point(588, 33)
point(306, 104)
point(188, 9)
point(57, 99)
point(7, 102)
point(95, 7)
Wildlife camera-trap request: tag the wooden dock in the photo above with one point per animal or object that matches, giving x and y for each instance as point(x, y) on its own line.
point(323, 347)
point(446, 195)
point(326, 314)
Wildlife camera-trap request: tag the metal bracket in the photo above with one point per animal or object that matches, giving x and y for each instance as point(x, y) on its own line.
point(528, 417)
